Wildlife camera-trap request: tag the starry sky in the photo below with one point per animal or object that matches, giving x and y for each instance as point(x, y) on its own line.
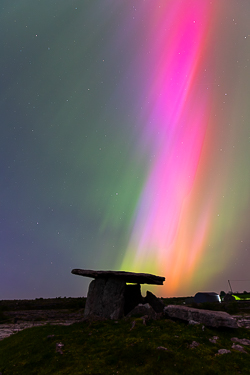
point(125, 143)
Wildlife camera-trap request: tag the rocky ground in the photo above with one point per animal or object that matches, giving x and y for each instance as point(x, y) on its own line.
point(31, 318)
point(243, 320)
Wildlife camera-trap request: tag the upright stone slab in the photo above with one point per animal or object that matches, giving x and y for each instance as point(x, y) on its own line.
point(132, 297)
point(155, 302)
point(105, 299)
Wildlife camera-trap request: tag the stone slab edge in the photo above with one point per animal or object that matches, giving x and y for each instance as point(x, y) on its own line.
point(129, 277)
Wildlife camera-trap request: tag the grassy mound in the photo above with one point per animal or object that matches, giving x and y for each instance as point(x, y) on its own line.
point(110, 347)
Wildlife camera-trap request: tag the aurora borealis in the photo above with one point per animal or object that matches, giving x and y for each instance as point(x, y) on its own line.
point(125, 143)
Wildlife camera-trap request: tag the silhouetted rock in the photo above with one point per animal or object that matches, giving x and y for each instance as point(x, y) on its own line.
point(128, 277)
point(155, 302)
point(132, 297)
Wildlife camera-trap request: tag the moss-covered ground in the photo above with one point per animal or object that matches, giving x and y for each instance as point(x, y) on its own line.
point(109, 347)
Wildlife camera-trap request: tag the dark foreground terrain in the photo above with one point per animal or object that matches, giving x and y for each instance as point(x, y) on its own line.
point(127, 346)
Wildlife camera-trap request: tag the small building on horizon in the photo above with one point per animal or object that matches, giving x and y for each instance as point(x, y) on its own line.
point(201, 297)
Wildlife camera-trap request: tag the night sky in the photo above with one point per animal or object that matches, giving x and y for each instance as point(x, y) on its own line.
point(125, 143)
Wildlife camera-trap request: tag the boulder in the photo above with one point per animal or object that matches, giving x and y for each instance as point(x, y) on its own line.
point(206, 317)
point(142, 310)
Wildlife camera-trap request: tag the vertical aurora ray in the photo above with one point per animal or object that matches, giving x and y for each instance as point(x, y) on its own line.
point(174, 130)
point(125, 143)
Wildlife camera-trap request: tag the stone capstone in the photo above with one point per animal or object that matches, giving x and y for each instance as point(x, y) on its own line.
point(128, 277)
point(206, 317)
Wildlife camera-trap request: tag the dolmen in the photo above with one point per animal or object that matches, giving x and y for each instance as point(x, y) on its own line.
point(117, 294)
point(114, 294)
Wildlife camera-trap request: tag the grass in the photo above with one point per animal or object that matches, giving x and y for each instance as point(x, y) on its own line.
point(110, 347)
point(242, 297)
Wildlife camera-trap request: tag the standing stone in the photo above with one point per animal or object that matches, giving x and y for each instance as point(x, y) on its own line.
point(133, 297)
point(105, 298)
point(155, 302)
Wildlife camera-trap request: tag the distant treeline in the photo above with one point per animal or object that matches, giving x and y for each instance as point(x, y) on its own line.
point(43, 304)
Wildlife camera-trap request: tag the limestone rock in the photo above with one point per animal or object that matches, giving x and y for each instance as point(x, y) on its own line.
point(194, 344)
point(105, 299)
point(133, 325)
point(128, 277)
point(239, 348)
point(206, 317)
point(214, 339)
point(241, 341)
point(143, 309)
point(59, 347)
point(223, 351)
point(193, 322)
point(162, 348)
